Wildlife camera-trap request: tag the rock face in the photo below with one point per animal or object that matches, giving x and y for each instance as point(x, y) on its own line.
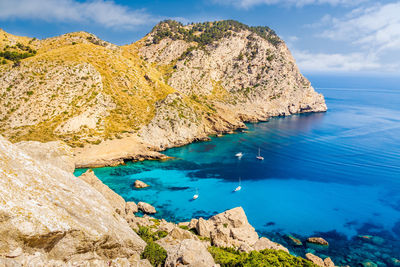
point(177, 85)
point(190, 252)
point(46, 209)
point(140, 184)
point(113, 198)
point(146, 208)
point(55, 153)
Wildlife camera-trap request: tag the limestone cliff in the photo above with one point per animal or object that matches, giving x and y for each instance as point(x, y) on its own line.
point(45, 209)
point(178, 84)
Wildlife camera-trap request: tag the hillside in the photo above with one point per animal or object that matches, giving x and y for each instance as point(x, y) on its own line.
point(178, 84)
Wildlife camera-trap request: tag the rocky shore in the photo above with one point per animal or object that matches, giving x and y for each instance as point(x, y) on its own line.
point(49, 217)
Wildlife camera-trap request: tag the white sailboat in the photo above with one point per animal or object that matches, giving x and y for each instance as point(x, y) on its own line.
point(239, 155)
point(196, 196)
point(239, 187)
point(259, 155)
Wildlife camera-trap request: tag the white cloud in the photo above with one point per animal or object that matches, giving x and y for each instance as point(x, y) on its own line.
point(103, 12)
point(337, 62)
point(374, 28)
point(373, 32)
point(299, 3)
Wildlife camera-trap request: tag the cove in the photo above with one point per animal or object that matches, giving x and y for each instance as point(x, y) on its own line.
point(333, 174)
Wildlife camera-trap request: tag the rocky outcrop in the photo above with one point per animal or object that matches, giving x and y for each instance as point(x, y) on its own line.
point(56, 153)
point(327, 262)
point(231, 229)
point(146, 208)
point(113, 198)
point(131, 208)
point(140, 184)
point(45, 209)
point(191, 253)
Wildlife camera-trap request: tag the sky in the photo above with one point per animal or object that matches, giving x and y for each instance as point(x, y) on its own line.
point(325, 36)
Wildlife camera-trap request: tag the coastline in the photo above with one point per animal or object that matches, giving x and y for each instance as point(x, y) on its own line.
point(111, 153)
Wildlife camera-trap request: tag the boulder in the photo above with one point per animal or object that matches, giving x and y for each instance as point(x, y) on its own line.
point(192, 224)
point(328, 262)
point(315, 259)
point(113, 198)
point(140, 184)
point(318, 241)
point(131, 208)
point(265, 243)
point(45, 208)
point(146, 208)
point(189, 252)
point(56, 153)
point(228, 229)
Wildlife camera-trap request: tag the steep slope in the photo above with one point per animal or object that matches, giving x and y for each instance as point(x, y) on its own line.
point(176, 85)
point(48, 210)
point(235, 72)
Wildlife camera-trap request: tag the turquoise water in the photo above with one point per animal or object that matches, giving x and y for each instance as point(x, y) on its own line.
point(334, 174)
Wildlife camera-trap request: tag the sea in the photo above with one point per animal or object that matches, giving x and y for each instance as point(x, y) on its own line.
point(334, 175)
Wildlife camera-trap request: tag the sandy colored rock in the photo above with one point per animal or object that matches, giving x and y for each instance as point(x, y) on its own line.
point(45, 208)
point(265, 243)
point(328, 262)
point(56, 153)
point(228, 229)
point(189, 252)
point(131, 208)
point(113, 198)
point(140, 184)
point(146, 208)
point(318, 240)
point(315, 259)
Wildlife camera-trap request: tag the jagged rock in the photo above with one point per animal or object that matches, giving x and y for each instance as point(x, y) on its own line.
point(328, 262)
point(56, 153)
point(265, 243)
point(203, 227)
point(181, 234)
point(113, 198)
point(189, 252)
point(44, 208)
point(228, 229)
point(315, 259)
point(140, 184)
point(146, 208)
point(193, 223)
point(131, 208)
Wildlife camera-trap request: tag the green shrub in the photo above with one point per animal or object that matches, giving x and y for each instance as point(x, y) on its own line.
point(228, 257)
point(155, 254)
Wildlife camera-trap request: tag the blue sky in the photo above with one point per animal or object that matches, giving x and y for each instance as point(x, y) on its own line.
point(325, 36)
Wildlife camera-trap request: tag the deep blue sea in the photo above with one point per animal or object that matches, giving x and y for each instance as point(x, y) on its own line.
point(333, 174)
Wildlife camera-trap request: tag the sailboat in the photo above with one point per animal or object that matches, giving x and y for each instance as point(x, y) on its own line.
point(196, 196)
point(259, 155)
point(239, 187)
point(239, 155)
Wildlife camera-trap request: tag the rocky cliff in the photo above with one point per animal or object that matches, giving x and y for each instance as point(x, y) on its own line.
point(178, 84)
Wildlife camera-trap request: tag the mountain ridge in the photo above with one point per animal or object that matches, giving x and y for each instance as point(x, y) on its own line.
point(178, 84)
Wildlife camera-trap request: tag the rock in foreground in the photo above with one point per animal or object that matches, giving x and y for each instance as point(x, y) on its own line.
point(45, 209)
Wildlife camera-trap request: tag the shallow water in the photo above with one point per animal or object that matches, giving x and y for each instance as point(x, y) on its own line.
point(335, 174)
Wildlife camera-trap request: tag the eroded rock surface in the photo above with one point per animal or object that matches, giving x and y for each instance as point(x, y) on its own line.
point(46, 209)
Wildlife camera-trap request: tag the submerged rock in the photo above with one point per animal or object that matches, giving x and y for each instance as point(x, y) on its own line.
point(317, 243)
point(368, 263)
point(140, 184)
point(294, 241)
point(146, 208)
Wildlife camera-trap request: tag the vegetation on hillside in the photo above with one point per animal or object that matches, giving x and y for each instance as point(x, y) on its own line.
point(16, 52)
point(229, 257)
point(208, 32)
